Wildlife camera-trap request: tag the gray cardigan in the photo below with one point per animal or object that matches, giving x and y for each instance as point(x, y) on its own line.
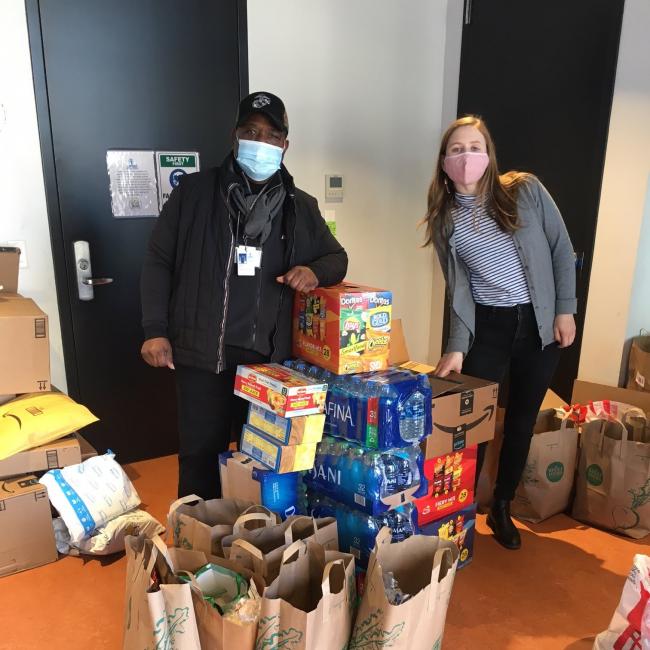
point(546, 254)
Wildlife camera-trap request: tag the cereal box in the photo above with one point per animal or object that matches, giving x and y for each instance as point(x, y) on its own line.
point(277, 457)
point(459, 528)
point(345, 329)
point(287, 431)
point(451, 484)
point(281, 390)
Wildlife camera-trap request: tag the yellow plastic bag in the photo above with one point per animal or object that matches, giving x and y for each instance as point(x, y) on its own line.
point(34, 420)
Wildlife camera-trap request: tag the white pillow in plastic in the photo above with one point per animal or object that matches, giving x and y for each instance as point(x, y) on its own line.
point(110, 538)
point(90, 494)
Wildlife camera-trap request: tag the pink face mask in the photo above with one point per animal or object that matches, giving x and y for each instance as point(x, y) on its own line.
point(466, 168)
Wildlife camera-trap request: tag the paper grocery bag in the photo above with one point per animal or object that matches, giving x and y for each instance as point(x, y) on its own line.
point(613, 480)
point(548, 477)
point(219, 632)
point(424, 568)
point(159, 611)
point(628, 627)
point(201, 525)
point(261, 550)
point(638, 368)
point(310, 605)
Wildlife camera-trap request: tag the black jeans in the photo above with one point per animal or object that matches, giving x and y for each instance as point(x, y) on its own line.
point(208, 411)
point(507, 341)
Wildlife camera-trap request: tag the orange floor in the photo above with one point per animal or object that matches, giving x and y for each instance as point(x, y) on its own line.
point(557, 592)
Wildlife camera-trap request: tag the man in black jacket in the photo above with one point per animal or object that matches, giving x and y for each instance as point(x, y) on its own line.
point(230, 247)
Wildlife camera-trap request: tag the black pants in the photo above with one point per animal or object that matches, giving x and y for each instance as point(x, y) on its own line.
point(506, 343)
point(208, 411)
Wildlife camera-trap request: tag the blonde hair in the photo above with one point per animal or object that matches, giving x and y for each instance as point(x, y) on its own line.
point(498, 191)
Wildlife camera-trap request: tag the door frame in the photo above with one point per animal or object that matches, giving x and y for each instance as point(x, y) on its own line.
point(63, 293)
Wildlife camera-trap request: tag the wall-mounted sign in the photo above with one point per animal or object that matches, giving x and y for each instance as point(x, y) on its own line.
point(133, 187)
point(171, 166)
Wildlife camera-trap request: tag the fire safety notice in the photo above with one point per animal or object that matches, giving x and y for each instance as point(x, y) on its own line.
point(171, 167)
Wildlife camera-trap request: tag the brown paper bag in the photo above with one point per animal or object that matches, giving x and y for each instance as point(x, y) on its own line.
point(257, 526)
point(424, 568)
point(613, 481)
point(156, 617)
point(546, 484)
point(310, 604)
point(638, 367)
point(215, 631)
point(201, 525)
point(262, 550)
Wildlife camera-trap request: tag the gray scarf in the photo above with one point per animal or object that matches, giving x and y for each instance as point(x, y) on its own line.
point(259, 210)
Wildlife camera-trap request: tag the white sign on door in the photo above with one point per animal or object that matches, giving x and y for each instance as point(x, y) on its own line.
point(132, 176)
point(171, 165)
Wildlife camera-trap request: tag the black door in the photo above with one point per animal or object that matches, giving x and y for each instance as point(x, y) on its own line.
point(155, 75)
point(541, 73)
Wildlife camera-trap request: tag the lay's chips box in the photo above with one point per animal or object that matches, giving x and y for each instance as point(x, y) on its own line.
point(281, 390)
point(344, 329)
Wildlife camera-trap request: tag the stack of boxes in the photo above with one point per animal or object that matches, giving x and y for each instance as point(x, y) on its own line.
point(25, 517)
point(368, 470)
point(400, 444)
point(284, 425)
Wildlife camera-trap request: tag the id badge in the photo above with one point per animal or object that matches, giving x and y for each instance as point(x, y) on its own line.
point(249, 258)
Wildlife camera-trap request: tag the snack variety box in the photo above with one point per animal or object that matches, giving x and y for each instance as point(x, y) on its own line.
point(277, 457)
point(459, 528)
point(281, 390)
point(287, 431)
point(344, 329)
point(451, 484)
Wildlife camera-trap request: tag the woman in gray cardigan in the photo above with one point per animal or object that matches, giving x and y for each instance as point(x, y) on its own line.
point(510, 272)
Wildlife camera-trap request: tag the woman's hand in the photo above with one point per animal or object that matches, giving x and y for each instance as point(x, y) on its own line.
point(564, 329)
point(450, 362)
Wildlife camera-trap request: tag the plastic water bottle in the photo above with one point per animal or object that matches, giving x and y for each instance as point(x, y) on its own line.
point(412, 417)
point(357, 401)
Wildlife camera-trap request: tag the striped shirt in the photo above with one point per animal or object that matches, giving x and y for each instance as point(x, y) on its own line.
point(496, 273)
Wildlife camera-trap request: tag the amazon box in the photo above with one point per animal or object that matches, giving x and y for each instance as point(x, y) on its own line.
point(24, 346)
point(55, 455)
point(27, 538)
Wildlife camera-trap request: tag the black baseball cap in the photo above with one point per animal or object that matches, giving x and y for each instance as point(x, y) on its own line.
point(266, 103)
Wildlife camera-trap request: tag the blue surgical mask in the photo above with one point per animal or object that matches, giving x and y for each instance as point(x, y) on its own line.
point(258, 159)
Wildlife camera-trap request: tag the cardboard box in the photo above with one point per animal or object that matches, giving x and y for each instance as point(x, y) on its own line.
point(345, 329)
point(87, 450)
point(277, 457)
point(451, 485)
point(244, 478)
point(281, 390)
point(60, 453)
point(24, 346)
point(287, 431)
point(9, 264)
point(585, 392)
point(27, 538)
point(460, 528)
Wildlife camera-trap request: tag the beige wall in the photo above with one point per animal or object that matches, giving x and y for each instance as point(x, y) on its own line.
point(23, 213)
point(627, 165)
point(364, 92)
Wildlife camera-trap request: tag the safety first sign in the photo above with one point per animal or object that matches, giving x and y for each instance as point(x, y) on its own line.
point(171, 166)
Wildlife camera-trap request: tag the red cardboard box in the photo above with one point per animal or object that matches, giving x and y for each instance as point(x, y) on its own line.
point(281, 390)
point(344, 329)
point(451, 485)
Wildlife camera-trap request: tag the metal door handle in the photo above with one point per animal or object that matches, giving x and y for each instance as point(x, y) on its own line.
point(96, 282)
point(85, 280)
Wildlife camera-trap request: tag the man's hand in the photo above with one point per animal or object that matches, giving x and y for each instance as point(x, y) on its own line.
point(299, 278)
point(158, 353)
point(450, 362)
point(564, 329)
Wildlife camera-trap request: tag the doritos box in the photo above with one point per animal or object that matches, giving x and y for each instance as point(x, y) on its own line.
point(451, 484)
point(280, 389)
point(459, 528)
point(344, 329)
